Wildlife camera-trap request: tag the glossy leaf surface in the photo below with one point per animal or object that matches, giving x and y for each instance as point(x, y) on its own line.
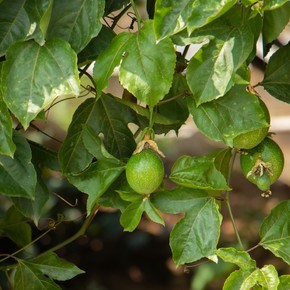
point(41, 73)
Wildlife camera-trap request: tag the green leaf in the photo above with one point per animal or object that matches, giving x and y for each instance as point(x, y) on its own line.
point(284, 282)
point(129, 196)
point(39, 13)
point(55, 268)
point(275, 231)
point(274, 21)
point(94, 144)
point(33, 208)
point(171, 16)
point(198, 172)
point(277, 77)
point(243, 279)
point(41, 73)
point(240, 258)
point(29, 277)
point(104, 115)
point(177, 200)
point(97, 45)
point(268, 277)
point(227, 117)
point(14, 23)
point(203, 12)
point(15, 227)
point(7, 147)
point(17, 175)
point(143, 72)
point(96, 179)
point(152, 212)
point(175, 111)
point(131, 216)
point(273, 4)
point(196, 235)
point(211, 70)
point(76, 21)
point(44, 157)
point(222, 160)
point(109, 59)
point(240, 280)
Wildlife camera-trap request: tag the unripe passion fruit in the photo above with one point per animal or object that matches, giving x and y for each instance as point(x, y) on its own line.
point(251, 139)
point(263, 164)
point(145, 172)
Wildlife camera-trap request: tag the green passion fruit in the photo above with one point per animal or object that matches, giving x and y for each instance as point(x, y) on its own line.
point(263, 164)
point(251, 139)
point(145, 172)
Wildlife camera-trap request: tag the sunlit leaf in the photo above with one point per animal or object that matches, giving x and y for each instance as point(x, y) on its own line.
point(227, 117)
point(41, 73)
point(198, 172)
point(131, 216)
point(196, 235)
point(109, 59)
point(142, 70)
point(240, 258)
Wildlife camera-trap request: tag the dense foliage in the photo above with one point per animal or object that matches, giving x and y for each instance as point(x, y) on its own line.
point(47, 50)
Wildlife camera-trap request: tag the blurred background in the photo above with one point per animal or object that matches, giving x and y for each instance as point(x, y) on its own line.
point(115, 260)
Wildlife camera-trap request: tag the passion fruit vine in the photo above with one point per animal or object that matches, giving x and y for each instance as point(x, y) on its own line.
point(145, 171)
point(263, 164)
point(251, 139)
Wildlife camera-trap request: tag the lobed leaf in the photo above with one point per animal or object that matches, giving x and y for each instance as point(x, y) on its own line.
point(275, 231)
point(211, 70)
point(178, 200)
point(15, 227)
point(33, 208)
point(284, 282)
point(54, 267)
point(142, 71)
point(227, 117)
point(273, 4)
point(240, 258)
point(131, 216)
point(76, 21)
point(196, 235)
point(274, 21)
point(41, 73)
point(96, 179)
point(14, 23)
point(7, 147)
point(29, 277)
point(17, 175)
point(109, 59)
point(198, 172)
point(39, 13)
point(277, 78)
point(104, 115)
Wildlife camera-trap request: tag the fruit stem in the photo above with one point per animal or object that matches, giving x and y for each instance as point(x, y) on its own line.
point(227, 198)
